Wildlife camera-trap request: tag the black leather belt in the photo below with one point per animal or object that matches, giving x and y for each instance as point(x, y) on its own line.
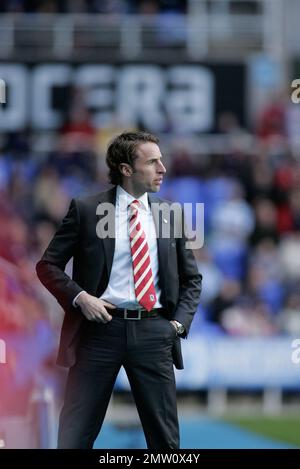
point(135, 314)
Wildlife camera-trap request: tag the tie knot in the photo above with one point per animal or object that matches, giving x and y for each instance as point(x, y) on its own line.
point(134, 205)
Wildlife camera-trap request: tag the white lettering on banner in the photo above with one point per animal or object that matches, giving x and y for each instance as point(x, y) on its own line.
point(159, 98)
point(15, 114)
point(44, 78)
point(100, 98)
point(191, 100)
point(141, 93)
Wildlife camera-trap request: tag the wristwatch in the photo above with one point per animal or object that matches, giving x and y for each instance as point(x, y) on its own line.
point(179, 327)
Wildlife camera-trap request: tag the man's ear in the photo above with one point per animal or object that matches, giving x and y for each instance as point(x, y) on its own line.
point(125, 169)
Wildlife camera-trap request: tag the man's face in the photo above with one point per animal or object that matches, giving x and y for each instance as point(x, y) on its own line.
point(148, 170)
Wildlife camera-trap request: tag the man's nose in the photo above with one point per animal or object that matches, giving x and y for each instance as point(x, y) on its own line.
point(162, 169)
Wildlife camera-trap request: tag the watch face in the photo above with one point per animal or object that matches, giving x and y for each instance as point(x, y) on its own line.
point(180, 329)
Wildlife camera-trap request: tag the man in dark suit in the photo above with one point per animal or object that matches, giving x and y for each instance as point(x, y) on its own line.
point(134, 291)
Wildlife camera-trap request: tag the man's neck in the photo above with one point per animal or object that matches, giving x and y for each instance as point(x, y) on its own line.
point(135, 193)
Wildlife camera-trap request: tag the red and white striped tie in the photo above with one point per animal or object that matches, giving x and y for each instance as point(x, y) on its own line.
point(142, 273)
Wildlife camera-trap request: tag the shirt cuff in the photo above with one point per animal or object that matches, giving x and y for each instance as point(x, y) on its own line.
point(74, 301)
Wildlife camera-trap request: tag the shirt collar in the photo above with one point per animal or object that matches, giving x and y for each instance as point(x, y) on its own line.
point(123, 199)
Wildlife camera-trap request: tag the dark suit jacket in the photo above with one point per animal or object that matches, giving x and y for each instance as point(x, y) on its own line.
point(76, 237)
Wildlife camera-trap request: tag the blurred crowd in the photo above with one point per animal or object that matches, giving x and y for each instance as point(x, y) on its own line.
point(250, 259)
point(94, 6)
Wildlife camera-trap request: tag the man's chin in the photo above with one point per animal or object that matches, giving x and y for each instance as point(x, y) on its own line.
point(155, 188)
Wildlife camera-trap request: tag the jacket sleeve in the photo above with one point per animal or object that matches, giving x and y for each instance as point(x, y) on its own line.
point(190, 283)
point(50, 269)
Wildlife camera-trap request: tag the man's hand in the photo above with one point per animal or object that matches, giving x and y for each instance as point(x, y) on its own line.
point(94, 309)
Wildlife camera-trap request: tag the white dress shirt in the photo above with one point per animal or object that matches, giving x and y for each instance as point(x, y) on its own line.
point(120, 288)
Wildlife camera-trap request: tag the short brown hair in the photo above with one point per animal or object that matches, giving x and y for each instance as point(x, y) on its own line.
point(122, 150)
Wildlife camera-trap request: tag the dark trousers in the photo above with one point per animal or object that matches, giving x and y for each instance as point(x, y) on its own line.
point(144, 348)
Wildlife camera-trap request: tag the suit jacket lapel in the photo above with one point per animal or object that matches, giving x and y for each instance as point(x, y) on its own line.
point(162, 242)
point(109, 241)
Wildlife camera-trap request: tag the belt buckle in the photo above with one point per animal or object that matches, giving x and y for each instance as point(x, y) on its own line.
point(139, 316)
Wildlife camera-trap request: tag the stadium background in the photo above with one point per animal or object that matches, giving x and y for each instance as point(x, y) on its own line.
point(213, 79)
